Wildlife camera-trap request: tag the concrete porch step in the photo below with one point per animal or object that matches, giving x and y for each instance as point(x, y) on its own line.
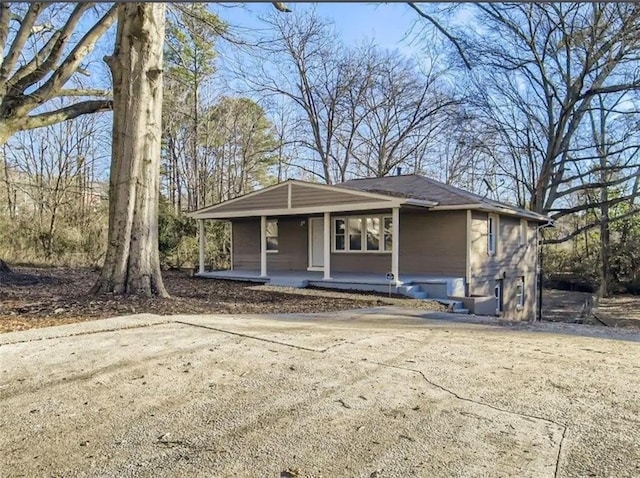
point(453, 305)
point(413, 291)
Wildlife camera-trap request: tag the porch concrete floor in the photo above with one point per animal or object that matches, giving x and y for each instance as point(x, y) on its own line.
point(317, 276)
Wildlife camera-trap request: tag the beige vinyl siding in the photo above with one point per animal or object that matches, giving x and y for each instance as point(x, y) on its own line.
point(292, 245)
point(433, 243)
point(366, 262)
point(305, 196)
point(510, 262)
point(293, 252)
point(274, 199)
point(246, 245)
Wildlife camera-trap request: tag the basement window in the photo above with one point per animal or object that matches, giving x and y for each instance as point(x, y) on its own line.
point(497, 291)
point(520, 292)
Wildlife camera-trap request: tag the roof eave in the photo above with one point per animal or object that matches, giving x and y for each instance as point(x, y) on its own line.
point(502, 210)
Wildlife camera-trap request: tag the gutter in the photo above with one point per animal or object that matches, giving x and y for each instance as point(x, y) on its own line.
point(419, 202)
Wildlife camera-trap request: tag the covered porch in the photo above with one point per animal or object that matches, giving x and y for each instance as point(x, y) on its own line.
point(323, 229)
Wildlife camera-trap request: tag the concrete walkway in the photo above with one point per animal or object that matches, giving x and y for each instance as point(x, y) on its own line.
point(381, 392)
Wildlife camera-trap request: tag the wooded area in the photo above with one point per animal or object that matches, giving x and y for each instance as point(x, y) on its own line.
point(531, 104)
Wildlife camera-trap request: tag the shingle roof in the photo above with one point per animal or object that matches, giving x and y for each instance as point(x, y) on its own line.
point(415, 186)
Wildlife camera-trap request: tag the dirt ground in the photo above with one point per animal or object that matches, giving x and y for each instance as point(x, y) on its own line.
point(42, 297)
point(38, 297)
point(567, 306)
point(378, 393)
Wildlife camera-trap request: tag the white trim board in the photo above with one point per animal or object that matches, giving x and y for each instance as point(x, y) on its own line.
point(300, 210)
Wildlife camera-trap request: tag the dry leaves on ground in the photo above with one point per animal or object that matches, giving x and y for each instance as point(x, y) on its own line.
point(41, 297)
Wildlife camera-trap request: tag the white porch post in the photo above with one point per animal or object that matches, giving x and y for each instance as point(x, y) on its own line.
point(395, 244)
point(327, 246)
point(201, 246)
point(263, 246)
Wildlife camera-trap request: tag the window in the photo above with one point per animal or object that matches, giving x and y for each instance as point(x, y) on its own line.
point(520, 292)
point(339, 243)
point(497, 291)
point(373, 233)
point(491, 234)
point(362, 234)
point(355, 234)
point(388, 234)
point(272, 235)
point(523, 232)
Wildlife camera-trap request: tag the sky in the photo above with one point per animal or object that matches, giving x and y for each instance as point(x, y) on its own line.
point(386, 23)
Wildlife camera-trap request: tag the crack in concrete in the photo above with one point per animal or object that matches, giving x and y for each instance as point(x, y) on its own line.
point(247, 336)
point(564, 434)
point(88, 332)
point(561, 426)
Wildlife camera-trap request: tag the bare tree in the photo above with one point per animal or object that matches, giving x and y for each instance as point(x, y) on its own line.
point(542, 66)
point(53, 170)
point(43, 54)
point(302, 61)
point(404, 107)
point(132, 264)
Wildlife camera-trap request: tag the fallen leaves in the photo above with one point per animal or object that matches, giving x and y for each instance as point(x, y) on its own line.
point(42, 297)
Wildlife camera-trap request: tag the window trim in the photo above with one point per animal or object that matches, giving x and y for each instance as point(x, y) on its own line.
point(363, 237)
point(277, 236)
point(492, 234)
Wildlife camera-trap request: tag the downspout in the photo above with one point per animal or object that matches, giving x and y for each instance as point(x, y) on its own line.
point(541, 270)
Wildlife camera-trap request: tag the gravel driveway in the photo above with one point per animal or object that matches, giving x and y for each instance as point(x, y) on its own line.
point(377, 393)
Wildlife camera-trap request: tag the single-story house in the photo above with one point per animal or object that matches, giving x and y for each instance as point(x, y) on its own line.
point(408, 233)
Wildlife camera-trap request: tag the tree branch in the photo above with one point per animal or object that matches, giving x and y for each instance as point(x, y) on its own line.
point(580, 230)
point(48, 57)
point(84, 92)
point(67, 113)
point(442, 30)
point(17, 46)
point(5, 18)
point(71, 64)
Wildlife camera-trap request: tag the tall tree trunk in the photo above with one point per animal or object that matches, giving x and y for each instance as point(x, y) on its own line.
point(605, 245)
point(132, 264)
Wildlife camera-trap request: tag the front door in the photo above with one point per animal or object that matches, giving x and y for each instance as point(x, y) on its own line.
point(316, 243)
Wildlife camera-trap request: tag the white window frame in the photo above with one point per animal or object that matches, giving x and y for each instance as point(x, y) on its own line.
point(363, 240)
point(520, 295)
point(523, 232)
point(492, 234)
point(497, 292)
point(277, 236)
point(334, 234)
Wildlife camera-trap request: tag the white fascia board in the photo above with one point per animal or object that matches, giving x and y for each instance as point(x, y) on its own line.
point(297, 211)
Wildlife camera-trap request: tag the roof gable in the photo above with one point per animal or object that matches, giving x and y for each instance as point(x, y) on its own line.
point(290, 197)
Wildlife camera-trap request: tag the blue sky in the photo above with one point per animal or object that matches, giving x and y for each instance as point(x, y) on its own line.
point(386, 23)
